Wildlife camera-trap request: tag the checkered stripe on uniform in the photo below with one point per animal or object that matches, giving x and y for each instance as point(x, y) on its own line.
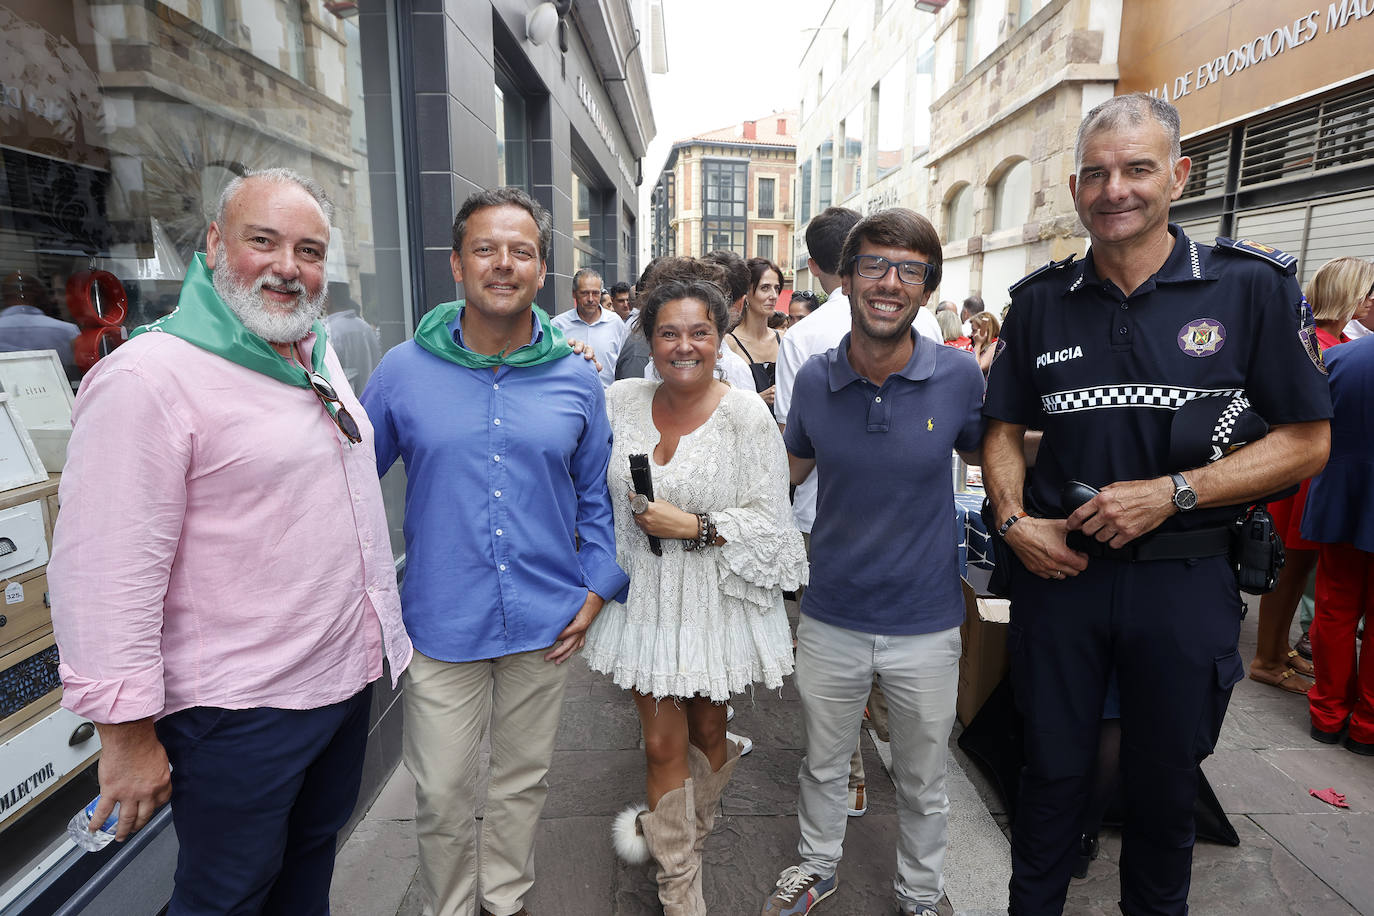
point(1163, 397)
point(1226, 423)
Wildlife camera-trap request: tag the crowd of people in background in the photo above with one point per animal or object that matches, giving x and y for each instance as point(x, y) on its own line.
point(646, 475)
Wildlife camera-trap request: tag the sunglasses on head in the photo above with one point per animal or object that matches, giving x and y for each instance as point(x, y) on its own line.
point(342, 418)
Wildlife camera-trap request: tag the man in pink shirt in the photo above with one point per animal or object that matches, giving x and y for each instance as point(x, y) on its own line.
point(222, 582)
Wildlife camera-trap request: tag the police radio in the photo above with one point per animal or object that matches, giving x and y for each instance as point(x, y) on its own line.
point(1256, 551)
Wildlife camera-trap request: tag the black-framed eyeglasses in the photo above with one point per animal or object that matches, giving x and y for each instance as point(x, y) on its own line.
point(874, 267)
point(342, 418)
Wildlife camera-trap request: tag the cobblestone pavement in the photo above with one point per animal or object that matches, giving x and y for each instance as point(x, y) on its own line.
point(1297, 854)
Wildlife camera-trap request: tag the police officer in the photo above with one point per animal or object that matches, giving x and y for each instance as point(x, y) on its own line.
point(1101, 353)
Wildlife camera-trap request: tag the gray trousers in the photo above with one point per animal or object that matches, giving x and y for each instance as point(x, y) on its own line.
point(920, 677)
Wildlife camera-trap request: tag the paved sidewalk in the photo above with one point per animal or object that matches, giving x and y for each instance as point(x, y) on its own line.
point(1297, 854)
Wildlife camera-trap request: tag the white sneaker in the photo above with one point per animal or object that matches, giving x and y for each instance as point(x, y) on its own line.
point(729, 713)
point(745, 745)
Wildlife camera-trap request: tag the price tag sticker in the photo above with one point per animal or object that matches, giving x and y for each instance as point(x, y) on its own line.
point(14, 593)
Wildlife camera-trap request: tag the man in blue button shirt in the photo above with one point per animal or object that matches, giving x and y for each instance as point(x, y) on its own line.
point(879, 418)
point(505, 441)
point(588, 321)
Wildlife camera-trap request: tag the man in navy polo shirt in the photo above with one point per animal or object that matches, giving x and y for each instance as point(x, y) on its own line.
point(879, 417)
point(1101, 354)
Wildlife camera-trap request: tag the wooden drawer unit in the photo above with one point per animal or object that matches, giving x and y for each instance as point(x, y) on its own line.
point(41, 757)
point(23, 609)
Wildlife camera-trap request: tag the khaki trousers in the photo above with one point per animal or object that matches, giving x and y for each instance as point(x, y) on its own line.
point(449, 707)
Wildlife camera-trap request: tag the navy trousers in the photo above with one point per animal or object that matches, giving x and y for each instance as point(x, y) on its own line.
point(1168, 628)
point(258, 799)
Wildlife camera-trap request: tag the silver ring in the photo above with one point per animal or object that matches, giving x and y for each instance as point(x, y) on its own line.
point(639, 504)
point(1058, 574)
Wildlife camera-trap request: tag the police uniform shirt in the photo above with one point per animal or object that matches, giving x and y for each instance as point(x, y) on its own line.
point(1103, 372)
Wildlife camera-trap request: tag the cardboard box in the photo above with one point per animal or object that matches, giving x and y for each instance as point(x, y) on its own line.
point(983, 662)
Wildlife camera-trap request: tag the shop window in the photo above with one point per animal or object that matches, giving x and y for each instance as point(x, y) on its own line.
point(133, 117)
point(767, 194)
point(1012, 198)
point(890, 104)
point(591, 244)
point(724, 205)
point(512, 133)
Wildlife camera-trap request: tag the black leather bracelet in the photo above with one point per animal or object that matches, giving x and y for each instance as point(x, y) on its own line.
point(1006, 526)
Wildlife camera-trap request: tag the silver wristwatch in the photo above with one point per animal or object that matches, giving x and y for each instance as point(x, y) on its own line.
point(1185, 497)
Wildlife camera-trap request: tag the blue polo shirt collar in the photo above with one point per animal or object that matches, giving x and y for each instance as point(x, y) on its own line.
point(1184, 265)
point(918, 368)
point(456, 326)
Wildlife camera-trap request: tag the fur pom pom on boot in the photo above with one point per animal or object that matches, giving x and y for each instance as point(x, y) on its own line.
point(629, 840)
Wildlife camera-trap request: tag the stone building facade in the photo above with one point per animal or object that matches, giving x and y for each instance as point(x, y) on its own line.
point(1275, 96)
point(1003, 124)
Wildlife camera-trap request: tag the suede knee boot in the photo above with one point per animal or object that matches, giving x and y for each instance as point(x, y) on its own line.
point(670, 832)
point(709, 786)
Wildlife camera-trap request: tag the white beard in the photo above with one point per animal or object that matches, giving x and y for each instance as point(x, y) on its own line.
point(244, 297)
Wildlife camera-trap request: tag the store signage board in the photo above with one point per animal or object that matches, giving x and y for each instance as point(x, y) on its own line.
point(38, 387)
point(19, 460)
point(1221, 61)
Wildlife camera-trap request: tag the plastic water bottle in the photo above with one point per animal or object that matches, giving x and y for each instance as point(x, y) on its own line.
point(78, 828)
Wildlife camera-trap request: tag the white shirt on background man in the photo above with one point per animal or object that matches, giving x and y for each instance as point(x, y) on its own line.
point(606, 335)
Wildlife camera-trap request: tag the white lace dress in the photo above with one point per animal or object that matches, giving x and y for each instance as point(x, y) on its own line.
point(703, 622)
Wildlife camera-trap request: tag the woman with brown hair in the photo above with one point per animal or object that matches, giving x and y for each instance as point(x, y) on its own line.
point(752, 338)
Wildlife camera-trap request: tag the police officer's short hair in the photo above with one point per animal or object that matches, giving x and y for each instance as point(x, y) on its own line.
point(896, 228)
point(1132, 109)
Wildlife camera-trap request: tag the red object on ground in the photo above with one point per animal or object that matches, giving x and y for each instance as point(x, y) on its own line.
point(1330, 796)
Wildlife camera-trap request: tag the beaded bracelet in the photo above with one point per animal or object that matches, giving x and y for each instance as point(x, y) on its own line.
point(706, 533)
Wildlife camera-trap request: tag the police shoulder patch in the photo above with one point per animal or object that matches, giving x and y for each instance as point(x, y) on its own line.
point(1280, 259)
point(1039, 271)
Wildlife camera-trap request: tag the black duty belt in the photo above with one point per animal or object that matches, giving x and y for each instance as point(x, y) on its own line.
point(1166, 545)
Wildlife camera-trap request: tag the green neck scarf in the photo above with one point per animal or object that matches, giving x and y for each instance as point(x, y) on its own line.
point(202, 318)
point(436, 336)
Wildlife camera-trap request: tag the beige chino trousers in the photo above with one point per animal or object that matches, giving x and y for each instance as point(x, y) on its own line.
point(449, 707)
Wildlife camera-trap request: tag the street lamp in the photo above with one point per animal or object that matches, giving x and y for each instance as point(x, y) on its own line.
point(930, 6)
point(543, 22)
